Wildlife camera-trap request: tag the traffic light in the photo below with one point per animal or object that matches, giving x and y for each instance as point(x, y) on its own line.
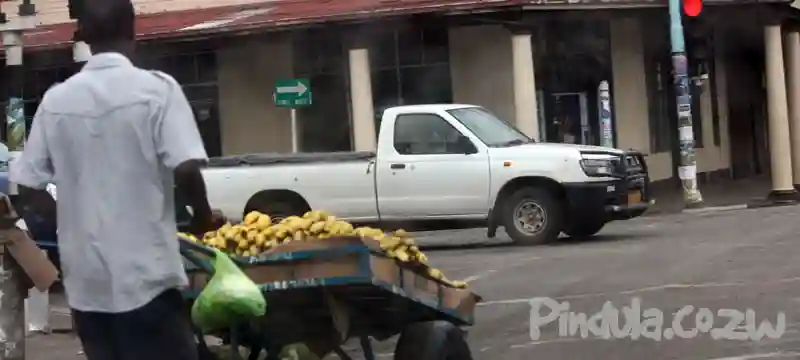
point(75, 8)
point(692, 8)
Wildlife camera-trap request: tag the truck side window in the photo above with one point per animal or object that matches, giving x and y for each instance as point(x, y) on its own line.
point(421, 134)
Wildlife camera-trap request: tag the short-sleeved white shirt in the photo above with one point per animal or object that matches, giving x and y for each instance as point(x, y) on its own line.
point(110, 137)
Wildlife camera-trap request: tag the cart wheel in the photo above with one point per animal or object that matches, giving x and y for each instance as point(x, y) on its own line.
point(436, 340)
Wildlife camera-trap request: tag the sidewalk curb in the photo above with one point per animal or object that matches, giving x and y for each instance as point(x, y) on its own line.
point(712, 209)
point(751, 205)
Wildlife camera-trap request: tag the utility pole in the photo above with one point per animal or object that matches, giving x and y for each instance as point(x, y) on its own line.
point(12, 290)
point(687, 168)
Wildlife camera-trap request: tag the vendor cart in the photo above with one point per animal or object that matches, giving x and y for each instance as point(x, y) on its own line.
point(322, 293)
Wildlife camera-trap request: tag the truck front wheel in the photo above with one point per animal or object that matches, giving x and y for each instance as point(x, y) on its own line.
point(584, 229)
point(532, 216)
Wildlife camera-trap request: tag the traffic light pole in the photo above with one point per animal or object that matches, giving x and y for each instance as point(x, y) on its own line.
point(687, 168)
point(12, 290)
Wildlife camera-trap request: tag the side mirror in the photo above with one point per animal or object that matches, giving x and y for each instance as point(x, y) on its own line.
point(465, 145)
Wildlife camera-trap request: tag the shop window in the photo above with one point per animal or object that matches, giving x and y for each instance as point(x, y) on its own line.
point(426, 84)
point(385, 89)
point(435, 46)
point(410, 46)
point(410, 66)
point(207, 67)
point(185, 69)
point(318, 52)
point(570, 71)
point(194, 67)
point(319, 55)
point(660, 94)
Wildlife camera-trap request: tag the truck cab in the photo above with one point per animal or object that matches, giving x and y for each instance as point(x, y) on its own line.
point(462, 162)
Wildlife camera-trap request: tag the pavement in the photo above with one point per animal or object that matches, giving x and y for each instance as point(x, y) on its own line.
point(740, 260)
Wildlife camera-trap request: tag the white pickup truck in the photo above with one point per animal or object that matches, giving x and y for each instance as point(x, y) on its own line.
point(443, 162)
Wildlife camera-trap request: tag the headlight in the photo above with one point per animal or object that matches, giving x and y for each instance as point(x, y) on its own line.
point(597, 167)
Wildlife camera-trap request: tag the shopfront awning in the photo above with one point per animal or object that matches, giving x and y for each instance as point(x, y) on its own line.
point(287, 13)
point(272, 14)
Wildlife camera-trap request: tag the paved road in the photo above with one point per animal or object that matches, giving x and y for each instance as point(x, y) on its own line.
point(736, 260)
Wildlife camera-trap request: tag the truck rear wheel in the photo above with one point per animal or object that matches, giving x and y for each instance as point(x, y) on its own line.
point(278, 209)
point(532, 216)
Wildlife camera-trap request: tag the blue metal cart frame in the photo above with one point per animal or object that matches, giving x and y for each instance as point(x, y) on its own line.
point(298, 310)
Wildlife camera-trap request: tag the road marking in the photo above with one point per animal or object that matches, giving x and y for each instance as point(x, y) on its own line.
point(645, 289)
point(477, 276)
point(543, 342)
point(486, 273)
point(772, 355)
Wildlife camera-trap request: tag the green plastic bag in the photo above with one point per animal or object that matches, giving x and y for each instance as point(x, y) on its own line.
point(230, 297)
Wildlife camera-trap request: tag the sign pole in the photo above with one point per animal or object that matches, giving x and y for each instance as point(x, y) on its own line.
point(293, 94)
point(606, 121)
point(293, 113)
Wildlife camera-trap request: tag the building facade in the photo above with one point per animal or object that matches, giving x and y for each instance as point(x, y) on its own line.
point(537, 64)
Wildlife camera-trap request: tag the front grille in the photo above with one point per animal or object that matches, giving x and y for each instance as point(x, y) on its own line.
point(634, 164)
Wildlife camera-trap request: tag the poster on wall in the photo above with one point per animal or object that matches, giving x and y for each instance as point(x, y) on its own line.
point(15, 124)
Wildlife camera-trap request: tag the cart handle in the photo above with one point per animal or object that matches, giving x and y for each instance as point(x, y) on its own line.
point(192, 251)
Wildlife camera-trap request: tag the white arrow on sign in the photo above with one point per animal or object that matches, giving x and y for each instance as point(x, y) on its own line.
point(298, 89)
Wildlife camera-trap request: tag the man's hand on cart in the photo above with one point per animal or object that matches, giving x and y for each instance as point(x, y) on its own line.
point(201, 224)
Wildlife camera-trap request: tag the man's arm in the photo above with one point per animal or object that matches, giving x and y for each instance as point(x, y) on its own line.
point(181, 149)
point(192, 187)
point(33, 170)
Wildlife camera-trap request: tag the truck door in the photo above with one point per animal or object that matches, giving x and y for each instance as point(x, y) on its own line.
point(427, 173)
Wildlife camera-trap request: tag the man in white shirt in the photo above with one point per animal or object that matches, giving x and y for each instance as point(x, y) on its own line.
point(112, 138)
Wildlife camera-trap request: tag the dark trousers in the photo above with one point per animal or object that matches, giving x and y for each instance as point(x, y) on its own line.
point(159, 330)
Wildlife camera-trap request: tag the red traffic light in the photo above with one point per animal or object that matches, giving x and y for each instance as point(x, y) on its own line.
point(692, 7)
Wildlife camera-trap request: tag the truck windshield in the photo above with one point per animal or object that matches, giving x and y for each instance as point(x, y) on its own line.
point(493, 131)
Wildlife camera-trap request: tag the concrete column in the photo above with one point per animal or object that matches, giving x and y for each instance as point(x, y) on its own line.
point(777, 108)
point(364, 135)
point(525, 108)
point(793, 77)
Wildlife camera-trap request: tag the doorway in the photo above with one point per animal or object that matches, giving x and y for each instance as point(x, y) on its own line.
point(569, 118)
point(747, 119)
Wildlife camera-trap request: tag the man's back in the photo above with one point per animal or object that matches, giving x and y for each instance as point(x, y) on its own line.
point(116, 213)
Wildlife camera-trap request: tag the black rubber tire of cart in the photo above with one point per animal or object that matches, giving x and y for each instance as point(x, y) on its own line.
point(435, 340)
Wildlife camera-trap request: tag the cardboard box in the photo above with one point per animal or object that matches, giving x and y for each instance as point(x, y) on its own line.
point(33, 261)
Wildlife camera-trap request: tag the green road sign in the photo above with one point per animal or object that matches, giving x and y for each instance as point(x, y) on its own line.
point(292, 93)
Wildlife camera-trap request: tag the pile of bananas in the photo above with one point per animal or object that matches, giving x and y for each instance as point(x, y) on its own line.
point(258, 234)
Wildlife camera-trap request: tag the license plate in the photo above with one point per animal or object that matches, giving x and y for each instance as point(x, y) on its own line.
point(634, 197)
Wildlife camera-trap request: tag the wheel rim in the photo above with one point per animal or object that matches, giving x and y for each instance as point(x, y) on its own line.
point(529, 217)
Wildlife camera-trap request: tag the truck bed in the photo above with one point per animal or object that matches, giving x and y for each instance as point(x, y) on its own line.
point(300, 158)
point(342, 183)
